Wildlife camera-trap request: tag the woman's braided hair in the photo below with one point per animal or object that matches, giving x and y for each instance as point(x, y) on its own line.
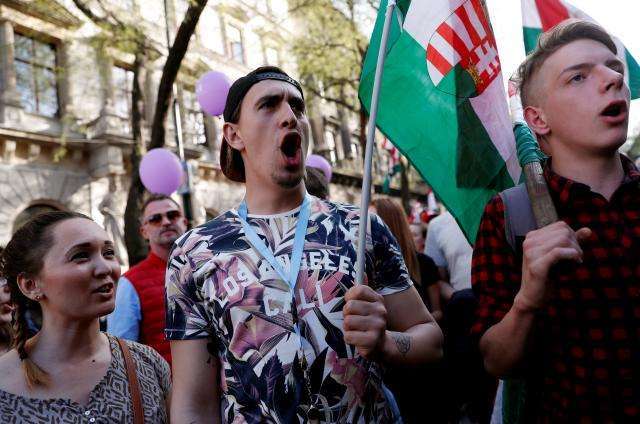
point(24, 254)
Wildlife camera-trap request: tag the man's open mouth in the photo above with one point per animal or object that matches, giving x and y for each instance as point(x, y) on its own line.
point(291, 145)
point(616, 109)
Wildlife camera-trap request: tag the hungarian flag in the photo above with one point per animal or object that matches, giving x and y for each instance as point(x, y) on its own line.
point(539, 16)
point(442, 102)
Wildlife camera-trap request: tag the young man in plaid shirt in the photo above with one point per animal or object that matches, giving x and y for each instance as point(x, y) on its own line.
point(562, 309)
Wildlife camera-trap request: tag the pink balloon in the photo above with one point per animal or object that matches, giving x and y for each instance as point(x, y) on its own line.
point(161, 171)
point(211, 90)
point(317, 161)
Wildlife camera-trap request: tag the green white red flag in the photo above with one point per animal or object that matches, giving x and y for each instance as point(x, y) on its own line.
point(442, 102)
point(539, 16)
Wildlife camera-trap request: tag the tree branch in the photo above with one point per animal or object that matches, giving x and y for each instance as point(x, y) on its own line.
point(170, 71)
point(335, 100)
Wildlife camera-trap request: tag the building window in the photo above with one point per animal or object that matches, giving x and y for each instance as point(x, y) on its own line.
point(234, 39)
point(264, 6)
point(127, 5)
point(181, 7)
point(122, 83)
point(355, 148)
point(194, 125)
point(272, 56)
point(35, 64)
point(209, 31)
point(330, 139)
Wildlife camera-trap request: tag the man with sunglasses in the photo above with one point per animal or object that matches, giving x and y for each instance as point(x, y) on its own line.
point(140, 314)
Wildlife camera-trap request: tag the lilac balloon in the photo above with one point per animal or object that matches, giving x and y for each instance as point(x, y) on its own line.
point(317, 161)
point(211, 90)
point(161, 171)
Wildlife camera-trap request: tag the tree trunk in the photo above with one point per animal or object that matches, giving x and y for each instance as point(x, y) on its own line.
point(136, 245)
point(170, 71)
point(363, 130)
point(404, 186)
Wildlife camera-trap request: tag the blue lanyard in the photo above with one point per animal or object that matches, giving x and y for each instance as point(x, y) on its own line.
point(298, 243)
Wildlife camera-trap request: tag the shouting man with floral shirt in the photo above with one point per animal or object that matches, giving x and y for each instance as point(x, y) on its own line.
point(268, 288)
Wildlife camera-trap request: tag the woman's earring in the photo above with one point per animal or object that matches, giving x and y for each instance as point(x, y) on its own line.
point(38, 297)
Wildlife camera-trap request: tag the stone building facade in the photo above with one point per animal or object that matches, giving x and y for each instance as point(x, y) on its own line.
point(65, 105)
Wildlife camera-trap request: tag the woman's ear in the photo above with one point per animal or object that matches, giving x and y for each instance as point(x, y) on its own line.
point(231, 133)
point(29, 287)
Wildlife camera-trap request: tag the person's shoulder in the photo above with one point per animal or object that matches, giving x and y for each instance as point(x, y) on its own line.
point(440, 220)
point(148, 361)
point(221, 221)
point(11, 372)
point(345, 213)
point(329, 206)
point(144, 353)
point(136, 269)
point(492, 224)
point(494, 207)
point(214, 229)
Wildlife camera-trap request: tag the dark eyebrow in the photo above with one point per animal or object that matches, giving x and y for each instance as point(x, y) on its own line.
point(275, 98)
point(87, 245)
point(577, 67)
point(614, 62)
point(269, 98)
point(588, 65)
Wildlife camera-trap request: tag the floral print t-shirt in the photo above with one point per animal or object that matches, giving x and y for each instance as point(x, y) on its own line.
point(219, 287)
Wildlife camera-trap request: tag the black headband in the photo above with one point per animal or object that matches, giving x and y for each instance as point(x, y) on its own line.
point(242, 85)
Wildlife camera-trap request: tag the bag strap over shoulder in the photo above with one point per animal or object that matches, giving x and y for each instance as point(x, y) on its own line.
point(518, 215)
point(134, 387)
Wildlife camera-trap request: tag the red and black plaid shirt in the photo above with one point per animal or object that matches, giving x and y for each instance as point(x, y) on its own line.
point(588, 356)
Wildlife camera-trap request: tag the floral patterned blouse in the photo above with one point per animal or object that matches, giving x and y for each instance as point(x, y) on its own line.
point(220, 288)
point(109, 402)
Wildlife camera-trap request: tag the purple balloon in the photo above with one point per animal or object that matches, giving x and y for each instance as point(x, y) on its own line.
point(161, 171)
point(317, 161)
point(211, 90)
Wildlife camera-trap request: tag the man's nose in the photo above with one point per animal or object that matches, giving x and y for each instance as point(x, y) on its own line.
point(611, 79)
point(165, 220)
point(288, 118)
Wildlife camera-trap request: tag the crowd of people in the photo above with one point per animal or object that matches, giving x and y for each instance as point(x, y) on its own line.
point(256, 316)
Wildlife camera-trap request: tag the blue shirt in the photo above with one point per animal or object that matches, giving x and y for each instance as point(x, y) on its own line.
point(124, 321)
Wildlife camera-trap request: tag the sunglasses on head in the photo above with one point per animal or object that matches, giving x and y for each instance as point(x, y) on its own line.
point(156, 218)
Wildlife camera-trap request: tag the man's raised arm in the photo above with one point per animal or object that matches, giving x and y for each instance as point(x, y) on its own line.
point(505, 344)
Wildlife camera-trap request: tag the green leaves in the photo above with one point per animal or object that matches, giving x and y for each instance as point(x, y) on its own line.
point(331, 49)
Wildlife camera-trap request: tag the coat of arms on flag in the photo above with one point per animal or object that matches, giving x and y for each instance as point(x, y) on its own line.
point(443, 103)
point(465, 38)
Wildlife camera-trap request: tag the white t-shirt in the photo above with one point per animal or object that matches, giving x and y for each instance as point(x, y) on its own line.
point(449, 248)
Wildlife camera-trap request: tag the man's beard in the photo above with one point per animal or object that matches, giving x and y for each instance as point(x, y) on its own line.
point(167, 240)
point(287, 180)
